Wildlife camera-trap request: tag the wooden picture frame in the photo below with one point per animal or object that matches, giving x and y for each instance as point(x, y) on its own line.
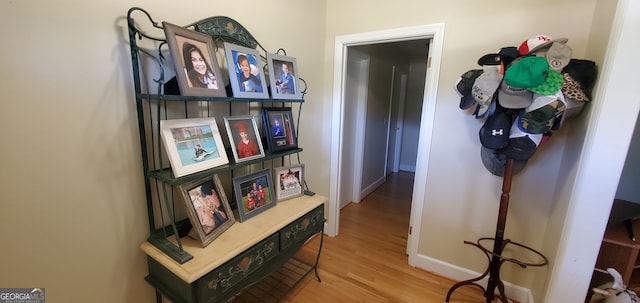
point(244, 148)
point(208, 208)
point(246, 74)
point(289, 182)
point(197, 69)
point(192, 145)
point(253, 193)
point(283, 77)
point(279, 128)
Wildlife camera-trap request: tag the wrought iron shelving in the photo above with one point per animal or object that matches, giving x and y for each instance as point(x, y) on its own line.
point(148, 52)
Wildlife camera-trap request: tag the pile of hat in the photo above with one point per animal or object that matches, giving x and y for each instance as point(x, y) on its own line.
point(524, 93)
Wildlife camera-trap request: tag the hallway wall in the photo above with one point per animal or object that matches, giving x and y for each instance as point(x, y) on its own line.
point(413, 113)
point(461, 199)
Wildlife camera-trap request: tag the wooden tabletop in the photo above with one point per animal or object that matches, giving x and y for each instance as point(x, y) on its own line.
point(239, 237)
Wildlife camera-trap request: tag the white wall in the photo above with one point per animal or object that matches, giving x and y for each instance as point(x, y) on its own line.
point(376, 112)
point(598, 167)
point(72, 199)
point(73, 216)
point(412, 114)
point(461, 196)
point(350, 188)
point(628, 188)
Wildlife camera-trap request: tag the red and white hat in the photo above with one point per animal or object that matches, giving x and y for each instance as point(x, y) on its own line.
point(537, 43)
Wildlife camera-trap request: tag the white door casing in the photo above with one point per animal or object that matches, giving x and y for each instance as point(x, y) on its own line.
point(435, 33)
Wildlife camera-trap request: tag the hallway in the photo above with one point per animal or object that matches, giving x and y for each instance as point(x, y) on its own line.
point(367, 261)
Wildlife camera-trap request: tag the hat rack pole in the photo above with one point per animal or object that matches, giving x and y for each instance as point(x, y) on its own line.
point(494, 256)
point(499, 243)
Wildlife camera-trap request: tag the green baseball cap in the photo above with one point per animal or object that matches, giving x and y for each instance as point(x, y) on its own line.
point(527, 72)
point(550, 86)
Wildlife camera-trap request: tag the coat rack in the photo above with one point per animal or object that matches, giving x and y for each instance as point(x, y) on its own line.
point(540, 94)
point(494, 256)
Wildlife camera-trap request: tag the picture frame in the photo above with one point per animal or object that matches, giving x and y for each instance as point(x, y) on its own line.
point(279, 128)
point(188, 47)
point(244, 149)
point(289, 182)
point(253, 193)
point(207, 208)
point(283, 77)
point(249, 82)
point(192, 145)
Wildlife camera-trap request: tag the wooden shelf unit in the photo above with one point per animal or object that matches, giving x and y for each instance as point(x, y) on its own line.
point(619, 251)
point(249, 252)
point(242, 256)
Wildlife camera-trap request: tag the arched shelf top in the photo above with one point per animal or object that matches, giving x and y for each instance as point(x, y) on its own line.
point(226, 29)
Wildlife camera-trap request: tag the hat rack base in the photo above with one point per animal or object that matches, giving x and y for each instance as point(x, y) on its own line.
point(494, 256)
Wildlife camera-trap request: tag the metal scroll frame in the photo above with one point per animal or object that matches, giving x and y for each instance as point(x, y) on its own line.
point(220, 28)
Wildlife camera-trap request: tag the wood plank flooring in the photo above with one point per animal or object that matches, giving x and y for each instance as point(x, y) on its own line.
point(367, 261)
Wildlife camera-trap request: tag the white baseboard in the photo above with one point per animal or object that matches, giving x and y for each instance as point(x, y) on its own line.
point(409, 168)
point(373, 186)
point(457, 273)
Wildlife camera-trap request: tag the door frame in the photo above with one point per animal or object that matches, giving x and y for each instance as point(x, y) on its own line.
point(434, 32)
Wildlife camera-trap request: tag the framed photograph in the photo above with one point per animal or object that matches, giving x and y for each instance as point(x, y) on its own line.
point(197, 69)
point(245, 72)
point(192, 145)
point(279, 128)
point(207, 208)
point(253, 193)
point(244, 138)
point(289, 182)
point(283, 77)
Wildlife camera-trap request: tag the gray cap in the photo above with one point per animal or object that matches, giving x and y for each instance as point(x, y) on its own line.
point(495, 161)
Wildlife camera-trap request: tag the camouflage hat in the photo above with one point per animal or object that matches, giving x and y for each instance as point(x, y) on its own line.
point(540, 116)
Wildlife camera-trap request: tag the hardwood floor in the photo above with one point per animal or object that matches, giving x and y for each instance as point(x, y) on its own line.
point(367, 261)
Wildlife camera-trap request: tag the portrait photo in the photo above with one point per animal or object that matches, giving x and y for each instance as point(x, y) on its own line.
point(192, 145)
point(279, 128)
point(246, 73)
point(208, 208)
point(277, 125)
point(244, 138)
point(283, 77)
point(253, 193)
point(196, 65)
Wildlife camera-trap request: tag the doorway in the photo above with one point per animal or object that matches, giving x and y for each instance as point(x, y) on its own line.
point(384, 92)
point(340, 155)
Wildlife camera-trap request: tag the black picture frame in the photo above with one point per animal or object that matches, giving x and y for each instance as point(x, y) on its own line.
point(279, 129)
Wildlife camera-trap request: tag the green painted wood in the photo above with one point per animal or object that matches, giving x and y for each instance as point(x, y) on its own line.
point(226, 29)
point(301, 229)
point(248, 268)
